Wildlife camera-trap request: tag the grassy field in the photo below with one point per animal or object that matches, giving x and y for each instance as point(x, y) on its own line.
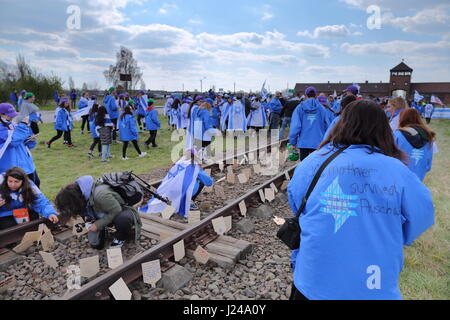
point(426, 273)
point(51, 105)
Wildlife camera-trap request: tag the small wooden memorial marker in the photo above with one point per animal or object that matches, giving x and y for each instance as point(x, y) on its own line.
point(221, 166)
point(33, 236)
point(151, 272)
point(270, 195)
point(243, 178)
point(201, 255)
point(247, 172)
point(120, 290)
point(178, 250)
point(243, 208)
point(284, 185)
point(23, 246)
point(274, 188)
point(115, 258)
point(219, 226)
point(219, 191)
point(231, 178)
point(228, 223)
point(47, 241)
point(257, 168)
point(194, 217)
point(261, 195)
point(89, 267)
point(288, 177)
point(49, 259)
point(168, 212)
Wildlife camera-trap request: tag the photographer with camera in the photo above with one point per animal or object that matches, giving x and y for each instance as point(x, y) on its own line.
point(102, 202)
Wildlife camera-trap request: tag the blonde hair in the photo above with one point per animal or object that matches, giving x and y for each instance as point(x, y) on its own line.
point(397, 104)
point(206, 105)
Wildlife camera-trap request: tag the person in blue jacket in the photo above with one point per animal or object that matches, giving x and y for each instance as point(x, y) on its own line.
point(415, 139)
point(344, 103)
point(16, 141)
point(95, 136)
point(112, 106)
point(309, 123)
point(83, 104)
point(275, 108)
point(152, 123)
point(129, 132)
point(56, 97)
point(21, 200)
point(63, 124)
point(364, 208)
point(21, 99)
point(13, 97)
point(203, 128)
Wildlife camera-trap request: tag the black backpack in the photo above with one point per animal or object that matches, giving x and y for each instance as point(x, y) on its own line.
point(124, 184)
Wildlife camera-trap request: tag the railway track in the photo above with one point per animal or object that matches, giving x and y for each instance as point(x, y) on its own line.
point(193, 235)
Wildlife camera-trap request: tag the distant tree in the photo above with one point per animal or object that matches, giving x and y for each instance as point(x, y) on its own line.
point(125, 64)
point(93, 86)
point(84, 87)
point(142, 85)
point(23, 68)
point(71, 83)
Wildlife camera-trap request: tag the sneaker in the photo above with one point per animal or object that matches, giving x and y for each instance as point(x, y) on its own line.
point(71, 146)
point(110, 156)
point(99, 154)
point(105, 161)
point(65, 142)
point(155, 146)
point(194, 206)
point(116, 243)
point(143, 154)
point(90, 155)
point(48, 144)
point(125, 159)
point(82, 132)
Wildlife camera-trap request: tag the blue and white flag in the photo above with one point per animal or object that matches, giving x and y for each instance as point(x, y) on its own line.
point(80, 113)
point(177, 186)
point(417, 96)
point(264, 92)
point(7, 141)
point(236, 117)
point(257, 117)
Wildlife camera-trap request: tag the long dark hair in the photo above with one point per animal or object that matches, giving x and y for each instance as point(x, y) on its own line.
point(364, 123)
point(93, 110)
point(70, 202)
point(190, 108)
point(126, 110)
point(346, 101)
point(176, 103)
point(100, 118)
point(26, 189)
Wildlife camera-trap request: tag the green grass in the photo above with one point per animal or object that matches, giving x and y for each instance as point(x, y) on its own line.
point(60, 165)
point(51, 105)
point(426, 274)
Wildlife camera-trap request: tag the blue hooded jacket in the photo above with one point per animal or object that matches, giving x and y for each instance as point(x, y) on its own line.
point(92, 126)
point(363, 210)
point(275, 106)
point(63, 121)
point(415, 143)
point(41, 205)
point(17, 153)
point(128, 128)
point(309, 123)
point(202, 125)
point(330, 128)
point(152, 121)
point(112, 107)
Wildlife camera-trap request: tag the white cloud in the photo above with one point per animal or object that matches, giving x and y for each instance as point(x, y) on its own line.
point(398, 5)
point(267, 14)
point(195, 21)
point(398, 47)
point(330, 31)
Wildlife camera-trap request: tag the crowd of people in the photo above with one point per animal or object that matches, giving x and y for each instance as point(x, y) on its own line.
point(368, 202)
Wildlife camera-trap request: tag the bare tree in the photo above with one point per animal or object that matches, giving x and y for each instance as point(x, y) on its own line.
point(84, 87)
point(71, 83)
point(125, 64)
point(142, 84)
point(23, 67)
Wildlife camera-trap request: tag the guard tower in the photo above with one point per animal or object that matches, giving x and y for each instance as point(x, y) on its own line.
point(400, 81)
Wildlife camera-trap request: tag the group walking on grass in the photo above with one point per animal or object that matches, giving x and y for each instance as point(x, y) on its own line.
point(357, 188)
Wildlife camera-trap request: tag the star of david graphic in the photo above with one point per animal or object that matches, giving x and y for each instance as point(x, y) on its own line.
point(335, 202)
point(179, 169)
point(417, 155)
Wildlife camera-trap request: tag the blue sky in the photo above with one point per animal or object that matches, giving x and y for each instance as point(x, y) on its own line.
point(178, 43)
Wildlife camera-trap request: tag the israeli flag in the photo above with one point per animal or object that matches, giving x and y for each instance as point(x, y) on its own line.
point(83, 112)
point(7, 141)
point(436, 100)
point(264, 92)
point(257, 118)
point(177, 186)
point(226, 107)
point(190, 131)
point(236, 117)
point(417, 96)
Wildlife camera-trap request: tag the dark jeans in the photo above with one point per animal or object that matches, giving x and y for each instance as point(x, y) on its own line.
point(123, 224)
point(85, 121)
point(152, 138)
point(200, 188)
point(8, 222)
point(297, 295)
point(59, 133)
point(428, 120)
point(275, 120)
point(35, 178)
point(114, 133)
point(139, 118)
point(304, 153)
point(125, 147)
point(96, 143)
point(34, 127)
